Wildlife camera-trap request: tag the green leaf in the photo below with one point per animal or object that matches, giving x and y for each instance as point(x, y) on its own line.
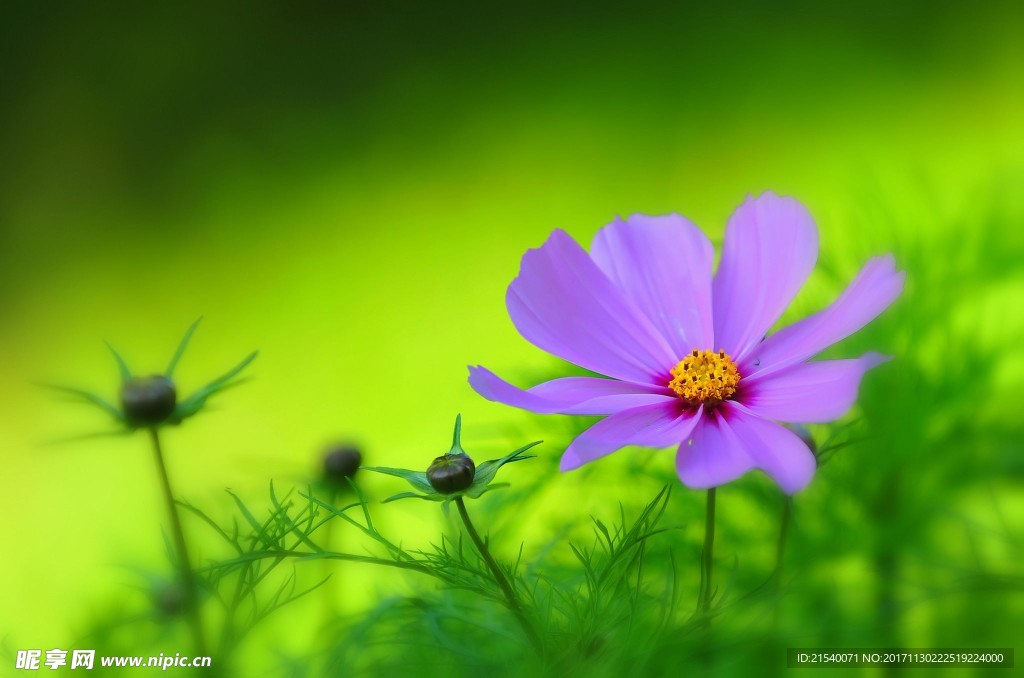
point(475, 492)
point(433, 496)
point(457, 437)
point(126, 373)
point(195, 402)
point(88, 397)
point(258, 529)
point(211, 522)
point(181, 348)
point(471, 492)
point(485, 471)
point(418, 479)
point(89, 436)
point(604, 531)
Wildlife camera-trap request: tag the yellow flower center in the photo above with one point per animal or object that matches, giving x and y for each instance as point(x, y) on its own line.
point(705, 377)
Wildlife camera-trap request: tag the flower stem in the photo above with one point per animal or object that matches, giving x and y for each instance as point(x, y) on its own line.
point(707, 555)
point(499, 577)
point(188, 579)
point(330, 597)
point(780, 548)
point(780, 557)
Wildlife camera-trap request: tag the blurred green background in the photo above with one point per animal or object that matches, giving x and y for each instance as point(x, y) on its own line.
point(349, 189)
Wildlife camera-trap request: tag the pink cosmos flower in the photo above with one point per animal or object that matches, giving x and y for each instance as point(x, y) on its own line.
point(686, 353)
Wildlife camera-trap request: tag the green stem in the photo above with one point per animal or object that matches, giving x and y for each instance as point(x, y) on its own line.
point(707, 554)
point(324, 555)
point(188, 579)
point(780, 557)
point(780, 548)
point(330, 607)
point(499, 577)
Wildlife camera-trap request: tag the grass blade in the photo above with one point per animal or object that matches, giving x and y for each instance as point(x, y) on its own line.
point(122, 366)
point(181, 347)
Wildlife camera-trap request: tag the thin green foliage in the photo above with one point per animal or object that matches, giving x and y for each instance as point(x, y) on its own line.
point(606, 592)
point(122, 366)
point(180, 351)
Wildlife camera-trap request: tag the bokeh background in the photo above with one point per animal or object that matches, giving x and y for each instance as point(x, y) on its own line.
point(349, 188)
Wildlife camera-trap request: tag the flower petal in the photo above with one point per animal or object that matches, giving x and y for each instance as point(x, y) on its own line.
point(876, 286)
point(730, 441)
point(569, 395)
point(562, 303)
point(770, 248)
point(808, 393)
point(659, 425)
point(714, 456)
point(663, 265)
point(774, 448)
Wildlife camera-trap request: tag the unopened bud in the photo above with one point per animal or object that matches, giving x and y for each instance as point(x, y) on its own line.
point(451, 473)
point(169, 598)
point(341, 462)
point(148, 401)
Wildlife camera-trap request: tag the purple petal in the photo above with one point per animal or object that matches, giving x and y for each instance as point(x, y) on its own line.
point(659, 425)
point(808, 393)
point(562, 303)
point(770, 247)
point(876, 286)
point(714, 456)
point(569, 395)
point(730, 441)
point(774, 448)
point(663, 265)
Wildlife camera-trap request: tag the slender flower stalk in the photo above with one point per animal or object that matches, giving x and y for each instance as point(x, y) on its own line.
point(339, 466)
point(780, 556)
point(787, 504)
point(330, 595)
point(707, 556)
point(780, 548)
point(188, 579)
point(499, 577)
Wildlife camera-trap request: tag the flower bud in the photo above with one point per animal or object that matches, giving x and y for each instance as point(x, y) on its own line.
point(147, 401)
point(342, 461)
point(451, 473)
point(169, 598)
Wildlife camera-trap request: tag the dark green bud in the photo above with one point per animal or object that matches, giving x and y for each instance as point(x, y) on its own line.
point(169, 599)
point(342, 461)
point(148, 401)
point(451, 473)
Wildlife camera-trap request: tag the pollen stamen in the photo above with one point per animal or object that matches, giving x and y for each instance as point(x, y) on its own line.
point(705, 377)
